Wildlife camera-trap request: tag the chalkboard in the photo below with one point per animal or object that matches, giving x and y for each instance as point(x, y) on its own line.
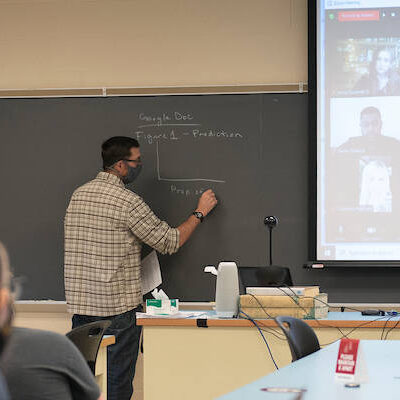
point(251, 149)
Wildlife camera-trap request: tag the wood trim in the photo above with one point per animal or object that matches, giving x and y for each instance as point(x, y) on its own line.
point(243, 323)
point(33, 93)
point(154, 91)
point(231, 89)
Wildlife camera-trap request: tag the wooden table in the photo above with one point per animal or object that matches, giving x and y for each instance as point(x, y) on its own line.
point(230, 353)
point(101, 364)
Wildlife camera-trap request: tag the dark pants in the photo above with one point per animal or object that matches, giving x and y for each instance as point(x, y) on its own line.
point(121, 356)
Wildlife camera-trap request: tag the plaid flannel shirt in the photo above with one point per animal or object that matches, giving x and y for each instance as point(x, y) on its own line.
point(105, 225)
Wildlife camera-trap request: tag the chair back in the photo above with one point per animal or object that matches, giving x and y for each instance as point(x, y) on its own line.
point(87, 339)
point(300, 336)
point(272, 275)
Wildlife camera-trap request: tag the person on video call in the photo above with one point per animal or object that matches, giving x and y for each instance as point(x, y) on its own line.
point(382, 79)
point(375, 187)
point(366, 165)
point(371, 141)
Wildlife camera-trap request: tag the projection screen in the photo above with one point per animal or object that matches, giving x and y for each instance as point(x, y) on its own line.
point(358, 130)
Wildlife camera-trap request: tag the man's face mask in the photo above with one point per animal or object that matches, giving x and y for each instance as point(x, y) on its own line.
point(133, 173)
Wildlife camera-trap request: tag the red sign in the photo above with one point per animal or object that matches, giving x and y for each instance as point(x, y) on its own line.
point(347, 356)
point(365, 15)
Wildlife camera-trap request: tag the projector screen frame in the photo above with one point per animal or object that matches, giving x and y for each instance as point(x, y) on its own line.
point(313, 159)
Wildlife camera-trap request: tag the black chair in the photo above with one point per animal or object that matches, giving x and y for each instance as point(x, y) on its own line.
point(272, 275)
point(87, 339)
point(300, 336)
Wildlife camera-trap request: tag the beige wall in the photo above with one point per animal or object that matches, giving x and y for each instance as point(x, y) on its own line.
point(116, 43)
point(57, 322)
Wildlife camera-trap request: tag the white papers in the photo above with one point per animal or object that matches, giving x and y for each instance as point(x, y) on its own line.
point(159, 294)
point(151, 273)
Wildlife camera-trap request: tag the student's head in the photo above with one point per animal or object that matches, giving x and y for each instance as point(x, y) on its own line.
point(5, 297)
point(121, 155)
point(370, 122)
point(382, 61)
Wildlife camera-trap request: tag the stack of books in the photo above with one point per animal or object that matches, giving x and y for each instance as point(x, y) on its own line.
point(299, 302)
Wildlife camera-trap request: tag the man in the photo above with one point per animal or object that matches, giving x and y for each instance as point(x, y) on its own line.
point(371, 142)
point(40, 365)
point(105, 226)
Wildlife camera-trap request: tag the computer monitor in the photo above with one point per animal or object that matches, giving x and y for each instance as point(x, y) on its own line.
point(272, 275)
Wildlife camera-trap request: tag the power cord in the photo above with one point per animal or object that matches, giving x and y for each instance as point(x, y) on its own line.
point(393, 327)
point(343, 335)
point(384, 327)
point(390, 313)
point(297, 304)
point(262, 335)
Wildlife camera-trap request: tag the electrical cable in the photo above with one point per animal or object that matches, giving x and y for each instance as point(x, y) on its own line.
point(352, 330)
point(356, 327)
point(273, 331)
point(262, 335)
point(384, 327)
point(263, 308)
point(310, 297)
point(393, 327)
point(343, 335)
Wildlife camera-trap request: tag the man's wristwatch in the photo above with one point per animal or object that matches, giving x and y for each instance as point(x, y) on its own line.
point(199, 215)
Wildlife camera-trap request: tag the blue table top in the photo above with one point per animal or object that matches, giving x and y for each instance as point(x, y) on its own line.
point(356, 316)
point(316, 374)
point(332, 316)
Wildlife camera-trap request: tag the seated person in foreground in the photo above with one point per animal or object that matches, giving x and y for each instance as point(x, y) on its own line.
point(5, 313)
point(45, 365)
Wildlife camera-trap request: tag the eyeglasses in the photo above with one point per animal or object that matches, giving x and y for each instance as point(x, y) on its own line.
point(138, 161)
point(16, 286)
